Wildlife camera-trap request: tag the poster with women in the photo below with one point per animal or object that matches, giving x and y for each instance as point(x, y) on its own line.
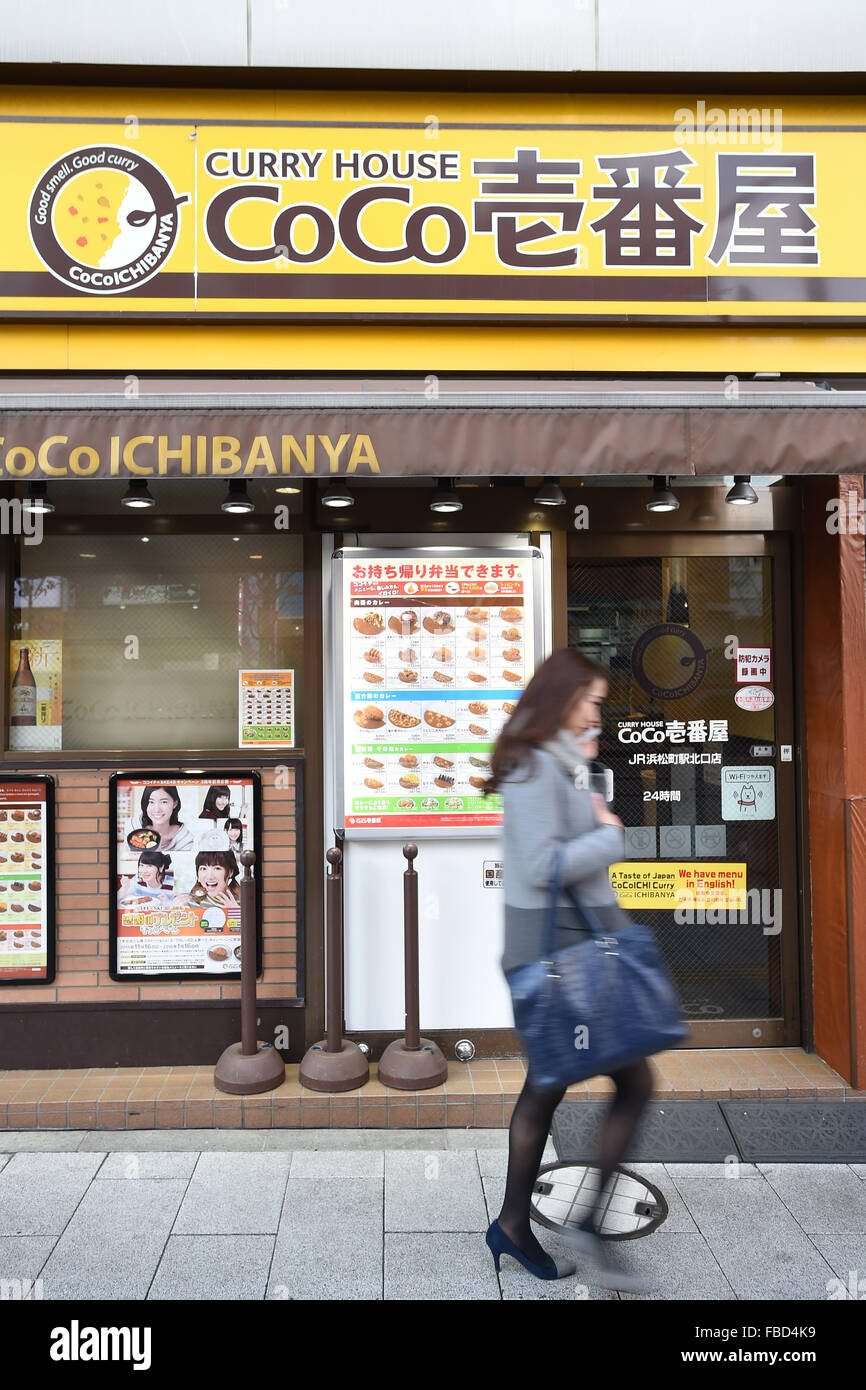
point(176, 871)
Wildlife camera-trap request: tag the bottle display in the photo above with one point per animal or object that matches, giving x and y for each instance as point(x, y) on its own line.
point(23, 701)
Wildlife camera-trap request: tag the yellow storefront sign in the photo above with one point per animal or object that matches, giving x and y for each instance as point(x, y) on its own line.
point(678, 885)
point(517, 209)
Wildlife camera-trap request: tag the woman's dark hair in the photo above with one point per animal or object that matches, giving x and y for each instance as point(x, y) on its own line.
point(210, 806)
point(234, 824)
point(220, 859)
point(541, 713)
point(155, 856)
point(147, 794)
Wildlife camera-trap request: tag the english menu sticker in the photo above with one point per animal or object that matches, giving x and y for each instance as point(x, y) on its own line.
point(435, 658)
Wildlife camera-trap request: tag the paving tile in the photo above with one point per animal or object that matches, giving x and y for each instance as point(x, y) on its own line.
point(234, 1194)
point(196, 1141)
point(722, 1208)
point(329, 1244)
point(724, 1172)
point(39, 1141)
point(227, 1268)
point(846, 1256)
point(129, 1166)
point(113, 1244)
point(40, 1191)
point(446, 1266)
point(22, 1257)
point(777, 1263)
point(678, 1266)
point(834, 1206)
point(434, 1191)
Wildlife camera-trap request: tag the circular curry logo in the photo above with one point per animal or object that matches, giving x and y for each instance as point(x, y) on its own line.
point(104, 220)
point(669, 661)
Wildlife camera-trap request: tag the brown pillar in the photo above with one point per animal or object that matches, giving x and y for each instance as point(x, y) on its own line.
point(834, 681)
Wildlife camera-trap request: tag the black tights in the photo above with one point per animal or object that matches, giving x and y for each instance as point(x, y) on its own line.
point(527, 1136)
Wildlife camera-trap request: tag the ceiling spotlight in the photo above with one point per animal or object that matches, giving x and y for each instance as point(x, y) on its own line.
point(663, 499)
point(237, 499)
point(337, 495)
point(37, 499)
point(137, 495)
point(550, 494)
point(742, 494)
point(445, 497)
point(288, 487)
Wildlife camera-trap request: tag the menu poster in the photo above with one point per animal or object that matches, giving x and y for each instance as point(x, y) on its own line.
point(36, 695)
point(26, 880)
point(266, 714)
point(176, 845)
point(435, 655)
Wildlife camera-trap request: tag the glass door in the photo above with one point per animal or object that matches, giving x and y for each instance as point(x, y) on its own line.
point(698, 735)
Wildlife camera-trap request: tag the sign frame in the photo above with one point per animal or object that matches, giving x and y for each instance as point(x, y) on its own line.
point(48, 873)
point(444, 554)
point(173, 778)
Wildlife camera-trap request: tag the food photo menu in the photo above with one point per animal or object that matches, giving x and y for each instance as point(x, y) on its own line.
point(435, 657)
point(26, 881)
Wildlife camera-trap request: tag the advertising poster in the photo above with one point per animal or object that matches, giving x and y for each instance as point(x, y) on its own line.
point(436, 650)
point(176, 869)
point(36, 695)
point(26, 880)
point(266, 713)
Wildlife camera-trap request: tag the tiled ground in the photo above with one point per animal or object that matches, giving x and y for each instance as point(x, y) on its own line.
point(316, 1215)
point(479, 1094)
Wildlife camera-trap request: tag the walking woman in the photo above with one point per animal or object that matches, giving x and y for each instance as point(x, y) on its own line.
point(541, 766)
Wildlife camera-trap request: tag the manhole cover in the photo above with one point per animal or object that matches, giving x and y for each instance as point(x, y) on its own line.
point(566, 1193)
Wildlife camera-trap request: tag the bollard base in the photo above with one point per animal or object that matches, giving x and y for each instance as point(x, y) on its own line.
point(412, 1071)
point(240, 1075)
point(346, 1070)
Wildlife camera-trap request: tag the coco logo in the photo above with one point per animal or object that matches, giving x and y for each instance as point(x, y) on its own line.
point(104, 220)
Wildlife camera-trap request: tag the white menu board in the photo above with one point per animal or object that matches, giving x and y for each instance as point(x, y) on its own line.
point(435, 647)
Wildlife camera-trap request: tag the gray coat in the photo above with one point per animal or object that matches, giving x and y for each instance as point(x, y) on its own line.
point(544, 811)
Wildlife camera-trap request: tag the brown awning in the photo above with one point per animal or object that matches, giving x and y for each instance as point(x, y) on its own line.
point(314, 429)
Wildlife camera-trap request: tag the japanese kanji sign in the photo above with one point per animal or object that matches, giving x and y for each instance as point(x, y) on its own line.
point(559, 209)
point(755, 664)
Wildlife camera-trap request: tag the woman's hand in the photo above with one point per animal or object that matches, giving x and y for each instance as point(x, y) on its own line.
point(602, 814)
point(225, 898)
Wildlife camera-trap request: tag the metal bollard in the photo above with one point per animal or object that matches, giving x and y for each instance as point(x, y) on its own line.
point(412, 1063)
point(335, 1064)
point(249, 1067)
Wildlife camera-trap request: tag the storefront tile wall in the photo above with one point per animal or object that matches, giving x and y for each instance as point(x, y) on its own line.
point(84, 899)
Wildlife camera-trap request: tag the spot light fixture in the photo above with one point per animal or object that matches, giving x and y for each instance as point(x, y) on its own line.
point(138, 495)
point(237, 498)
point(445, 497)
point(550, 494)
point(742, 494)
point(663, 498)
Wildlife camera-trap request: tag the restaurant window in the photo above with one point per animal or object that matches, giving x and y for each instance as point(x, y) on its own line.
point(152, 633)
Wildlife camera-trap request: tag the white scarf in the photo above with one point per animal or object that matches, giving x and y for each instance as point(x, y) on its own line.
point(566, 748)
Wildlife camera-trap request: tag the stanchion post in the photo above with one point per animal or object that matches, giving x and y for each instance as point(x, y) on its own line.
point(249, 1067)
point(335, 1064)
point(412, 1063)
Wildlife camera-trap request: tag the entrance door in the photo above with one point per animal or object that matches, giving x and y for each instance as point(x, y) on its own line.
point(694, 633)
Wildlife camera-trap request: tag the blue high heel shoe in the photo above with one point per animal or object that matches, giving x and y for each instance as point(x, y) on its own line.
point(500, 1245)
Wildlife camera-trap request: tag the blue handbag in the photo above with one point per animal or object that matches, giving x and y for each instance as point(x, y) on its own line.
point(588, 1009)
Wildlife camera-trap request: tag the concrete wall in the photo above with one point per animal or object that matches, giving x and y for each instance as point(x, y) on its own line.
point(740, 36)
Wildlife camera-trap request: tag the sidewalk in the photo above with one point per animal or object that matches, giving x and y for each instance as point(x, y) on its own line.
point(366, 1214)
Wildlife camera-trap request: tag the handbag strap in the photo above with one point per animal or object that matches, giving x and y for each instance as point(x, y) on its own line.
point(557, 887)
